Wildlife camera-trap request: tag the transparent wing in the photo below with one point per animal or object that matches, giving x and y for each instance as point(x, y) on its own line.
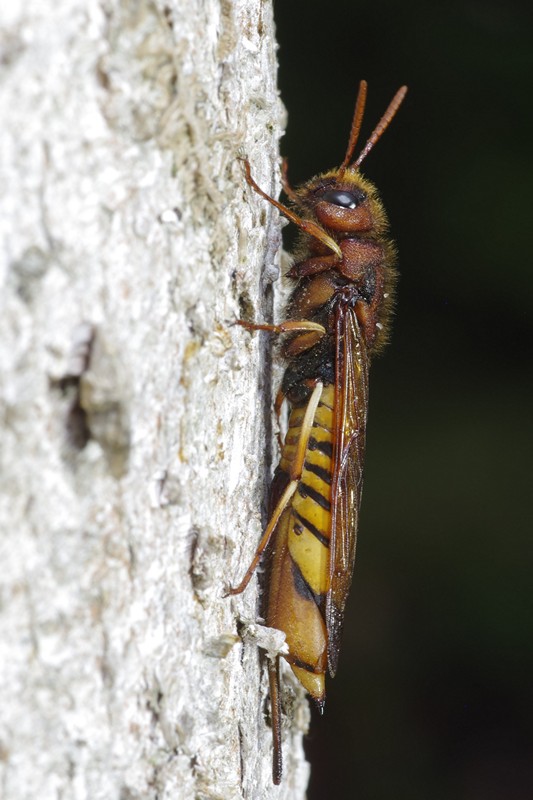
point(351, 401)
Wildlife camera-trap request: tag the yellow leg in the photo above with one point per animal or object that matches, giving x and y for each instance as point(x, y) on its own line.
point(289, 326)
point(295, 475)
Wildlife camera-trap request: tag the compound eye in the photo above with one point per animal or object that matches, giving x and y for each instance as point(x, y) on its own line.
point(338, 197)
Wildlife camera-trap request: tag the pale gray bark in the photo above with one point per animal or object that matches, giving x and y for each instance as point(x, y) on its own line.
point(124, 212)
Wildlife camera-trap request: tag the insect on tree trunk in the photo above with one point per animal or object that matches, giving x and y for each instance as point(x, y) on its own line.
point(136, 420)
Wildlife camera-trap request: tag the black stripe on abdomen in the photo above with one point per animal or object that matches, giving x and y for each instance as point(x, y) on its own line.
point(311, 528)
point(302, 587)
point(319, 471)
point(324, 447)
point(307, 491)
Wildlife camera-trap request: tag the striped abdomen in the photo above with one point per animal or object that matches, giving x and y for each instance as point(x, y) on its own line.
point(300, 576)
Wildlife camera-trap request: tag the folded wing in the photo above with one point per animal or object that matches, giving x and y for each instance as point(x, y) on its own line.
point(351, 402)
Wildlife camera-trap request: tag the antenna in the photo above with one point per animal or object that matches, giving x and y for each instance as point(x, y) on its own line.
point(356, 126)
point(382, 125)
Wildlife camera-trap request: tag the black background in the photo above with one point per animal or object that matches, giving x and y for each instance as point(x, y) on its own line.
point(434, 695)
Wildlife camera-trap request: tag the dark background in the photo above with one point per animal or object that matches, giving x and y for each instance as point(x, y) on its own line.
point(434, 695)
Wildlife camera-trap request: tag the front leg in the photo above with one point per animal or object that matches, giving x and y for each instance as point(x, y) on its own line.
point(289, 326)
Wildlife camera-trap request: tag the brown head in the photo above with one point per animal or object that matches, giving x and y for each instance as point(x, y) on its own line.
point(341, 200)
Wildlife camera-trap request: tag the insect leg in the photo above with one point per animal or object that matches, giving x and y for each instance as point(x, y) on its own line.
point(275, 705)
point(280, 397)
point(287, 188)
point(269, 530)
point(306, 225)
point(289, 326)
point(294, 475)
point(313, 266)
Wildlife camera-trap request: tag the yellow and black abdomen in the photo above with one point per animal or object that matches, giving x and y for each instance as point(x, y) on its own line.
point(300, 573)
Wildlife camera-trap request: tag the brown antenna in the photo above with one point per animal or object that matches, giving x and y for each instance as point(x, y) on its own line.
point(356, 127)
point(383, 124)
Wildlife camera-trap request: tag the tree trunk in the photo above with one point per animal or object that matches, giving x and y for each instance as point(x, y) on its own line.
point(134, 416)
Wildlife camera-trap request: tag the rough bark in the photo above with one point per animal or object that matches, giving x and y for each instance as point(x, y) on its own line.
point(135, 419)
